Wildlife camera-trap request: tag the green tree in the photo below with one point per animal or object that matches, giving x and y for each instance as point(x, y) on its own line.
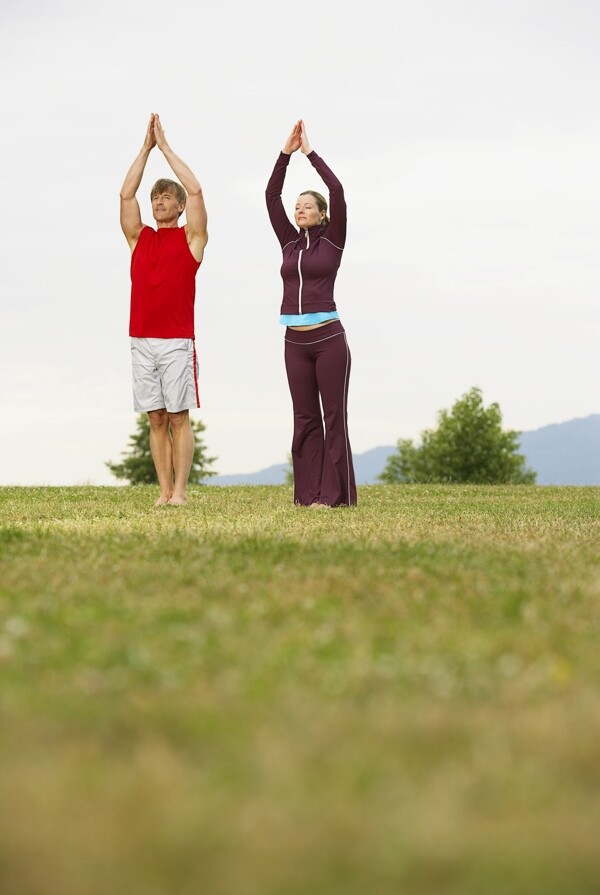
point(468, 446)
point(137, 466)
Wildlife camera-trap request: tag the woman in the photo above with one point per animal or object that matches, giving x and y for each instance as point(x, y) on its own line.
point(317, 357)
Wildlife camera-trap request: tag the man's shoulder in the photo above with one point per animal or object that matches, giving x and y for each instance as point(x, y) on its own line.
point(146, 232)
point(142, 237)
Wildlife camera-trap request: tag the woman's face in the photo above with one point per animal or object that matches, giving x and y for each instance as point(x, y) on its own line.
point(307, 212)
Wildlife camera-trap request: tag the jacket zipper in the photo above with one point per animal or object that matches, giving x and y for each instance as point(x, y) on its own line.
point(300, 273)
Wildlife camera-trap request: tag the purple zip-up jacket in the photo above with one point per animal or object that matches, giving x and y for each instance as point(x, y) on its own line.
point(312, 256)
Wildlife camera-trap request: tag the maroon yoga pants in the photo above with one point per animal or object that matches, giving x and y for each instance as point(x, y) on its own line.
point(318, 366)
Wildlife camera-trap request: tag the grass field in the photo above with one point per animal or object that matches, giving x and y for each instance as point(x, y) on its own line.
point(239, 697)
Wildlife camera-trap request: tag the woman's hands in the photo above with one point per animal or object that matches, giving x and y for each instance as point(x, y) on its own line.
point(304, 144)
point(294, 140)
point(297, 139)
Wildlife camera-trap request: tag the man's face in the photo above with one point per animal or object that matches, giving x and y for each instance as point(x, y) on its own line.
point(166, 207)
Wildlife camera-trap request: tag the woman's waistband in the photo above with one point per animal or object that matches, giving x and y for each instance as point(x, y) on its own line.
point(319, 334)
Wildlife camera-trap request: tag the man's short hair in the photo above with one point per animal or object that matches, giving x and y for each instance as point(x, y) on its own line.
point(169, 186)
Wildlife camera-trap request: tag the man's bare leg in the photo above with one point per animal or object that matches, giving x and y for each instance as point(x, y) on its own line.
point(183, 454)
point(162, 453)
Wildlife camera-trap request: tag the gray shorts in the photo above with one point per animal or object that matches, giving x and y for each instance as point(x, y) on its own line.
point(165, 375)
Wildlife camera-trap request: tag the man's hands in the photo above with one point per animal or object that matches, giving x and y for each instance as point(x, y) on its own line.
point(150, 139)
point(297, 139)
point(155, 135)
point(159, 134)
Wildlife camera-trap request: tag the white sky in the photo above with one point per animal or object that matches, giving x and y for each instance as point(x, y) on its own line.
point(467, 137)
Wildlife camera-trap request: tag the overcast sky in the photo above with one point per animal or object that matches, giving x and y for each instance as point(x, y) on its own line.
point(466, 135)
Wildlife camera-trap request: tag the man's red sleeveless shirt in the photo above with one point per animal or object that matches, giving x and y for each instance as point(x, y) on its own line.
point(163, 285)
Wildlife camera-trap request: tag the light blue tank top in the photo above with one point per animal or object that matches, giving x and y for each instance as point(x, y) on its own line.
point(308, 319)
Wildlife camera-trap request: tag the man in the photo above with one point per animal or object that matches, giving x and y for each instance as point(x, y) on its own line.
point(164, 263)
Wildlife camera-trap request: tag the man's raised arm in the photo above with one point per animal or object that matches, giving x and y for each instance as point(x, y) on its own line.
point(195, 209)
point(131, 220)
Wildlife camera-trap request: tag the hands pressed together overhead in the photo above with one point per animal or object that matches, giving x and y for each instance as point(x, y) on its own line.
point(297, 139)
point(155, 135)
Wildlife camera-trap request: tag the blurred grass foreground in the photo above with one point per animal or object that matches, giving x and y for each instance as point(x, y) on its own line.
point(240, 697)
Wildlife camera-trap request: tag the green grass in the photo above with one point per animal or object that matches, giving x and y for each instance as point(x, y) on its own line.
point(240, 697)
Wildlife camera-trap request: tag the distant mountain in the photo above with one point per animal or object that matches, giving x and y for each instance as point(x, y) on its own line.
point(561, 454)
point(367, 467)
point(565, 453)
point(272, 475)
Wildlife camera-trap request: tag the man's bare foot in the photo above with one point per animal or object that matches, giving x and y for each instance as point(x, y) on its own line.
point(177, 500)
point(319, 506)
point(162, 500)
